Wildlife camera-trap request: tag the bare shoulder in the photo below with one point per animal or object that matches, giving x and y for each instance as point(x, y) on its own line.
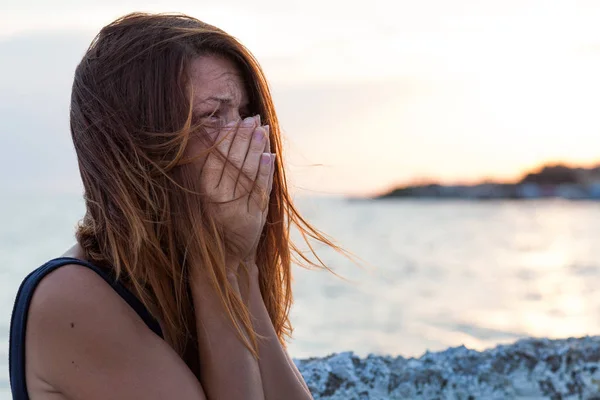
point(70, 288)
point(73, 299)
point(84, 341)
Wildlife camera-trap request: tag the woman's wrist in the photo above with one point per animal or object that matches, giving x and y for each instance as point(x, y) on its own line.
point(237, 269)
point(202, 282)
point(238, 263)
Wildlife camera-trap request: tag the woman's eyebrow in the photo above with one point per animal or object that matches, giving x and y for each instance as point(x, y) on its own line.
point(225, 100)
point(222, 99)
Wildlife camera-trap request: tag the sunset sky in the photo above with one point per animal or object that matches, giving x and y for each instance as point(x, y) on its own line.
point(369, 95)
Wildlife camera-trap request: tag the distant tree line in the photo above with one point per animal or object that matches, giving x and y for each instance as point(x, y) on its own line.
point(548, 177)
point(559, 175)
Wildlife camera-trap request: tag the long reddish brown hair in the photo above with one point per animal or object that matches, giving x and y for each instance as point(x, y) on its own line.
point(131, 119)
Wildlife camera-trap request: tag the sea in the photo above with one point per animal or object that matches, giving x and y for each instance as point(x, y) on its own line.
point(426, 274)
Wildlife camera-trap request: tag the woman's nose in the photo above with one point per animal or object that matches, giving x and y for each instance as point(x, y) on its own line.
point(232, 115)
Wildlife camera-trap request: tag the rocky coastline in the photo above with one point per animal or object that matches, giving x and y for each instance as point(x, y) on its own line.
point(528, 369)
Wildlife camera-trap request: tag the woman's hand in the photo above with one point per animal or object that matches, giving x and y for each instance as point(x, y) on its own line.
point(237, 178)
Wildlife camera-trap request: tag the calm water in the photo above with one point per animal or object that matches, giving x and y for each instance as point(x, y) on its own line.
point(441, 273)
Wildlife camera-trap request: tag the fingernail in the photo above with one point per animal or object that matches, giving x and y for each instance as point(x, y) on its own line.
point(231, 124)
point(267, 129)
point(257, 119)
point(248, 122)
point(265, 158)
point(259, 135)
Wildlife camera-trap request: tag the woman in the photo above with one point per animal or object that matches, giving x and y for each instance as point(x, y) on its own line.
point(179, 285)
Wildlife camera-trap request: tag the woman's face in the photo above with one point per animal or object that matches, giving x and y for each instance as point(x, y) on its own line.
point(219, 97)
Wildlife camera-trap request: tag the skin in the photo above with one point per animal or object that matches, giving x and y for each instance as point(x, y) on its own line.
point(84, 342)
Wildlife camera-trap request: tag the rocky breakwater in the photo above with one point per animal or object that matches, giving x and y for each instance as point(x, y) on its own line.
point(528, 369)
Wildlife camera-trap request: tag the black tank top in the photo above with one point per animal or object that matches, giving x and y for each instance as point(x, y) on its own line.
point(16, 352)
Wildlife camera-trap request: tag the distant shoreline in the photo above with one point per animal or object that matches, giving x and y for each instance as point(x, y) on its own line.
point(527, 191)
point(556, 181)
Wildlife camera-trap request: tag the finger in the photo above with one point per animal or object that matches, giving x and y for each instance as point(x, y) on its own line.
point(214, 167)
point(241, 141)
point(222, 142)
point(259, 194)
point(273, 169)
point(225, 137)
point(239, 151)
point(268, 144)
point(257, 146)
point(273, 155)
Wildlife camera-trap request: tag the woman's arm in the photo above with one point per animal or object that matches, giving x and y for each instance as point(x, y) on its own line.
point(240, 205)
point(280, 377)
point(228, 370)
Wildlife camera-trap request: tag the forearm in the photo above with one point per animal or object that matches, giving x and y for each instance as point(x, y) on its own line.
point(228, 370)
point(280, 377)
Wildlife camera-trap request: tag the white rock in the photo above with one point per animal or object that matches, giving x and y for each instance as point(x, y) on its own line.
point(529, 369)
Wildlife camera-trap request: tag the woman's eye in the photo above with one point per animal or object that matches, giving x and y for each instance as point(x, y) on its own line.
point(211, 115)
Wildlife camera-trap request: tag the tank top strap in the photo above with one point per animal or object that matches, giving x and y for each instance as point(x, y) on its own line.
point(21, 307)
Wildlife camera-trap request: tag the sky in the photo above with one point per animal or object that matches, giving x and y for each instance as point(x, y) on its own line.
point(370, 94)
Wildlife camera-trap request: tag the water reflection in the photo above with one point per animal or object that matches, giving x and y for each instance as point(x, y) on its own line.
point(449, 273)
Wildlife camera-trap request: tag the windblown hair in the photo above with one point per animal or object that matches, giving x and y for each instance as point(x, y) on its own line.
point(131, 119)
